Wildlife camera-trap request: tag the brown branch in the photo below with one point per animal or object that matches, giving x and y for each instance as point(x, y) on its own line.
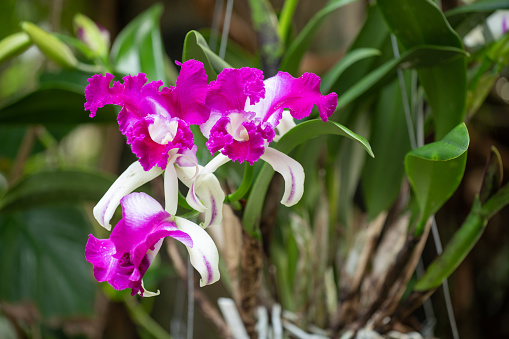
point(206, 307)
point(250, 281)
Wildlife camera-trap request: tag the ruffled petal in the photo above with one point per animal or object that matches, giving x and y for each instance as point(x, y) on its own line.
point(296, 94)
point(249, 150)
point(133, 177)
point(203, 255)
point(234, 87)
point(99, 93)
point(187, 101)
point(292, 173)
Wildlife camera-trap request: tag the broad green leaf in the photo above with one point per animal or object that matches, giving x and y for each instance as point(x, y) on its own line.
point(435, 171)
point(463, 240)
point(43, 261)
point(55, 187)
point(138, 48)
point(421, 22)
point(297, 135)
point(418, 57)
point(299, 46)
point(195, 47)
point(269, 41)
point(52, 106)
point(383, 175)
point(464, 18)
point(349, 59)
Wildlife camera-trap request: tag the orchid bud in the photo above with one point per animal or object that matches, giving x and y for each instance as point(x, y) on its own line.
point(50, 45)
point(13, 45)
point(96, 37)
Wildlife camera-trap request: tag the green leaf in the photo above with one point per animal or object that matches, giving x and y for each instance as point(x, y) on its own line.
point(55, 187)
point(195, 47)
point(435, 171)
point(421, 22)
point(382, 176)
point(138, 48)
point(297, 135)
point(418, 57)
point(43, 261)
point(295, 52)
point(349, 59)
point(52, 106)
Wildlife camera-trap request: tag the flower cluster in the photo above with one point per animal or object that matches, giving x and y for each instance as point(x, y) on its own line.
point(240, 114)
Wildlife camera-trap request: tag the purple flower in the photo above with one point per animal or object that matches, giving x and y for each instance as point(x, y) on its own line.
point(154, 121)
point(246, 111)
point(123, 259)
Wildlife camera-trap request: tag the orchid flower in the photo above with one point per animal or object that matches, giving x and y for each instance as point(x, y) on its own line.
point(123, 259)
point(246, 111)
point(156, 125)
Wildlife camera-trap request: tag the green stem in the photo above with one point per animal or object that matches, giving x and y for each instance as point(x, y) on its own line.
point(244, 186)
point(457, 249)
point(141, 318)
point(183, 202)
point(285, 19)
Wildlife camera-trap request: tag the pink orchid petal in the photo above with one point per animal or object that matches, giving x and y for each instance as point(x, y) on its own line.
point(233, 87)
point(298, 95)
point(123, 259)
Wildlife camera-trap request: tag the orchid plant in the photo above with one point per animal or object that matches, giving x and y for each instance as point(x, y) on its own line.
point(238, 113)
point(230, 162)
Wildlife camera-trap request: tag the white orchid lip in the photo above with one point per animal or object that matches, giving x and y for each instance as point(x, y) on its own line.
point(235, 127)
point(163, 131)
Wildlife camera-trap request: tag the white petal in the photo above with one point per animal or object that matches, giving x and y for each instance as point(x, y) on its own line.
point(203, 255)
point(207, 125)
point(150, 257)
point(292, 173)
point(211, 195)
point(171, 188)
point(215, 163)
point(147, 293)
point(285, 124)
point(133, 177)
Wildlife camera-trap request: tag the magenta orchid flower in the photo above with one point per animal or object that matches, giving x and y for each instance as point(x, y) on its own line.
point(156, 125)
point(154, 121)
point(123, 259)
point(246, 111)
